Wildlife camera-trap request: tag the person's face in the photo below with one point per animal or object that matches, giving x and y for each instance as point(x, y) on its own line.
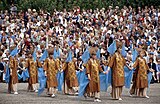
point(30, 56)
point(141, 54)
point(119, 50)
point(150, 60)
point(50, 56)
point(94, 56)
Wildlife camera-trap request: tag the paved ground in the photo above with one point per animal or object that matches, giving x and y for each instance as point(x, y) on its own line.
point(32, 98)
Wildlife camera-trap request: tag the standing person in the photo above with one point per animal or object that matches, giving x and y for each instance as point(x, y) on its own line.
point(140, 80)
point(51, 68)
point(158, 70)
point(71, 82)
point(33, 74)
point(13, 65)
point(152, 66)
point(117, 63)
point(2, 69)
point(92, 70)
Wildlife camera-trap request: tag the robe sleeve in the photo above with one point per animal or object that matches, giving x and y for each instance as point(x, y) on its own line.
point(11, 63)
point(39, 64)
point(99, 66)
point(45, 64)
point(57, 62)
point(88, 67)
point(135, 64)
point(147, 67)
point(124, 61)
point(111, 61)
point(64, 66)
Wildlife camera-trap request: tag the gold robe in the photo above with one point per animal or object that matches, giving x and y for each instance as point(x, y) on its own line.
point(141, 66)
point(32, 68)
point(93, 68)
point(51, 66)
point(117, 63)
point(70, 74)
point(13, 68)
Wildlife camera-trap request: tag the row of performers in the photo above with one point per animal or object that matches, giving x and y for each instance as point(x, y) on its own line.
point(92, 68)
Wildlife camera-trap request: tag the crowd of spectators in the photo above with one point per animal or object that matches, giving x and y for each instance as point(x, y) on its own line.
point(77, 29)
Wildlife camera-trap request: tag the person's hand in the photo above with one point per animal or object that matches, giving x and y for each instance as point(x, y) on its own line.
point(23, 69)
point(81, 70)
point(152, 70)
point(104, 72)
point(130, 68)
point(45, 73)
point(89, 77)
point(107, 71)
point(61, 71)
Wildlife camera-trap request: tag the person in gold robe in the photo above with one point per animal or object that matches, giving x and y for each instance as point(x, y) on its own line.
point(117, 63)
point(71, 82)
point(140, 80)
point(51, 68)
point(33, 73)
point(13, 65)
point(92, 70)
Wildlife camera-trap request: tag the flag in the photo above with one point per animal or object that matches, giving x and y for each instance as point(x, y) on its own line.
point(42, 85)
point(69, 57)
point(14, 52)
point(123, 52)
point(56, 53)
point(60, 78)
point(25, 74)
point(85, 56)
point(44, 56)
point(19, 76)
point(40, 72)
point(98, 54)
point(134, 55)
point(41, 76)
point(112, 48)
point(83, 83)
point(7, 75)
point(105, 80)
point(78, 76)
point(128, 76)
point(34, 55)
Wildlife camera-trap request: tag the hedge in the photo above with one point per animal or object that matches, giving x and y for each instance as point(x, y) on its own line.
point(49, 5)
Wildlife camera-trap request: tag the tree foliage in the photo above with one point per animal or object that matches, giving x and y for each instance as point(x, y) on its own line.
point(49, 5)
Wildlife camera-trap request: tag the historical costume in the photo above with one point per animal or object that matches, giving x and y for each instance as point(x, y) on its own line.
point(33, 73)
point(117, 63)
point(13, 65)
point(71, 82)
point(51, 68)
point(92, 70)
point(140, 80)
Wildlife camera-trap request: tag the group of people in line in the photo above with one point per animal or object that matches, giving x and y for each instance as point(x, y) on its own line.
point(57, 35)
point(51, 65)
